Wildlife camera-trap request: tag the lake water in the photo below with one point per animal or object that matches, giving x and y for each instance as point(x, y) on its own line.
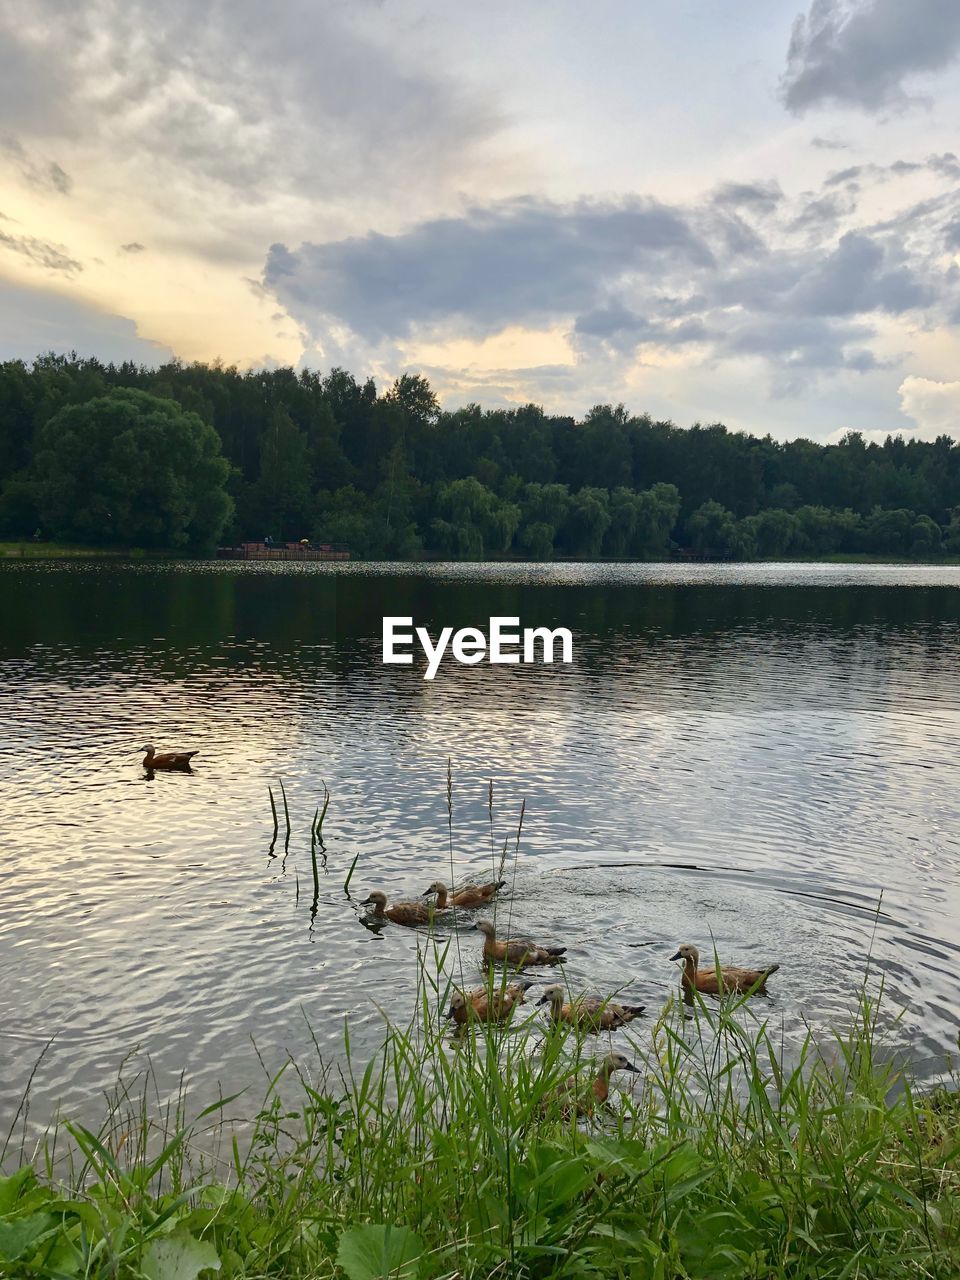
point(750, 755)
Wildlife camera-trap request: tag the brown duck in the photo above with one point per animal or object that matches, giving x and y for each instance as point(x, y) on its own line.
point(729, 978)
point(485, 1004)
point(579, 1098)
point(166, 759)
point(589, 1013)
point(412, 913)
point(516, 951)
point(468, 895)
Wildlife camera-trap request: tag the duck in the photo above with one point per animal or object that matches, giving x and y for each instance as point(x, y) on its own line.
point(730, 978)
point(485, 1004)
point(468, 895)
point(579, 1098)
point(517, 951)
point(589, 1013)
point(411, 913)
point(166, 759)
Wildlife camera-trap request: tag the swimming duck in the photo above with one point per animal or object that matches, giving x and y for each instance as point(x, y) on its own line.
point(580, 1098)
point(487, 1005)
point(412, 913)
point(166, 759)
point(468, 895)
point(730, 977)
point(516, 951)
point(589, 1013)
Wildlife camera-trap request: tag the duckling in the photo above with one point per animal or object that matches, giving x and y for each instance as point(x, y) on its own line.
point(589, 1013)
point(516, 951)
point(487, 1005)
point(468, 895)
point(412, 913)
point(166, 759)
point(580, 1099)
point(730, 978)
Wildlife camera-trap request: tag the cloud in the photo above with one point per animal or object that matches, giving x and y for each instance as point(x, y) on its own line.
point(52, 257)
point(859, 54)
point(33, 321)
point(521, 261)
point(133, 247)
point(934, 406)
point(828, 144)
point(794, 283)
point(237, 108)
point(763, 197)
point(44, 175)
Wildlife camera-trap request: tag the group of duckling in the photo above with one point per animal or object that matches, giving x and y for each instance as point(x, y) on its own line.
point(587, 1013)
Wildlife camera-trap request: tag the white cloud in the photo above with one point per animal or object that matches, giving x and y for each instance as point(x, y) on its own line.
point(934, 406)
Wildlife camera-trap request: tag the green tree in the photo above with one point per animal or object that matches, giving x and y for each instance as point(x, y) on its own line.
point(131, 468)
point(712, 529)
point(587, 521)
point(658, 509)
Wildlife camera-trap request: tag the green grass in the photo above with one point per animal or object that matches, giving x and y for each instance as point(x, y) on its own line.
point(28, 550)
point(443, 1158)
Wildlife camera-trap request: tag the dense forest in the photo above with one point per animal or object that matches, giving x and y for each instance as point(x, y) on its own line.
point(189, 455)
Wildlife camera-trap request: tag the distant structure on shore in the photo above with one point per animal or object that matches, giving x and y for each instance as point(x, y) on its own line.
point(284, 551)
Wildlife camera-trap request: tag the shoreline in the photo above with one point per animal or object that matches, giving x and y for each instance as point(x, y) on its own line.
point(14, 550)
point(714, 1156)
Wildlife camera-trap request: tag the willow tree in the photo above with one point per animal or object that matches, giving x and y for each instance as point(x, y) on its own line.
point(132, 468)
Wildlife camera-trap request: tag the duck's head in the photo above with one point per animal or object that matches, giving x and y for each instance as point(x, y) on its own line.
point(150, 749)
point(687, 952)
point(376, 899)
point(486, 928)
point(437, 887)
point(552, 994)
point(458, 1001)
point(617, 1062)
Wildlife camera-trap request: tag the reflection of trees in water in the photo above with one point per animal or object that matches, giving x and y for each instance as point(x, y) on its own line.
point(274, 623)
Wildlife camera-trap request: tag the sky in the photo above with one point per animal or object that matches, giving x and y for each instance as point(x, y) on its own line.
point(709, 211)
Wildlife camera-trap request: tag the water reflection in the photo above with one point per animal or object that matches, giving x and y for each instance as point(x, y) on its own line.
point(746, 756)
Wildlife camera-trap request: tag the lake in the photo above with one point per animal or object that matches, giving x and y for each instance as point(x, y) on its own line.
point(762, 756)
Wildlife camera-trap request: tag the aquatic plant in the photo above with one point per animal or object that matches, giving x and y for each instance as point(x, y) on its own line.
point(445, 1157)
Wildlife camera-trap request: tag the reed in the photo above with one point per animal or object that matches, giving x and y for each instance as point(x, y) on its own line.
point(286, 815)
point(442, 1158)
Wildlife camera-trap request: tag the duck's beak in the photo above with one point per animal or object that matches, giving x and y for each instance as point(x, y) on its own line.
point(366, 902)
point(450, 1012)
point(542, 1000)
point(427, 892)
point(677, 956)
point(630, 1067)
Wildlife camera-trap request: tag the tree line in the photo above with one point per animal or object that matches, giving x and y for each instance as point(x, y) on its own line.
point(186, 455)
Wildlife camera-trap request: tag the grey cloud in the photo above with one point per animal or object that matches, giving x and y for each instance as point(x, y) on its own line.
point(952, 234)
point(261, 100)
point(803, 342)
point(762, 197)
point(857, 278)
point(53, 257)
point(133, 247)
point(818, 215)
point(828, 144)
point(45, 175)
point(632, 273)
point(843, 176)
point(33, 321)
point(622, 329)
point(859, 54)
point(519, 261)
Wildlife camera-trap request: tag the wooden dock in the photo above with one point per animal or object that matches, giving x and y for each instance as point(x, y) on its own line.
point(283, 551)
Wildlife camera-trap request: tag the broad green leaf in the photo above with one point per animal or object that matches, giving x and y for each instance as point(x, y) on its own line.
point(179, 1257)
point(12, 1187)
point(20, 1234)
point(378, 1252)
